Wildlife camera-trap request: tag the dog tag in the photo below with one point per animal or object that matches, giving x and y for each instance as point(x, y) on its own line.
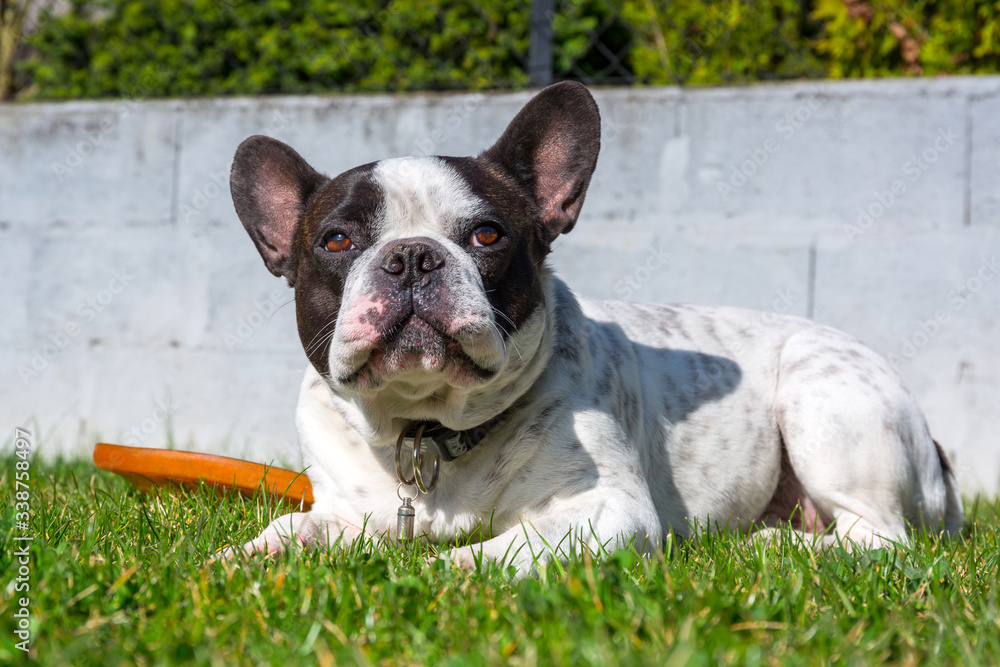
point(404, 521)
point(406, 512)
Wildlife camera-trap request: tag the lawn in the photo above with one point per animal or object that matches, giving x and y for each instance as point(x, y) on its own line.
point(119, 577)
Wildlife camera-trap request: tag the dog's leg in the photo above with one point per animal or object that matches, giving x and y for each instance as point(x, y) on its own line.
point(309, 529)
point(774, 535)
point(858, 444)
point(535, 543)
point(858, 532)
point(600, 520)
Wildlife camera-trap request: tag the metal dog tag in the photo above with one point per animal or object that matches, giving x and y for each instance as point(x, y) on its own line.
point(404, 521)
point(406, 512)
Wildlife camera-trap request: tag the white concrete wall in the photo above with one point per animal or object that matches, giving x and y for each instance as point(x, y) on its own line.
point(135, 308)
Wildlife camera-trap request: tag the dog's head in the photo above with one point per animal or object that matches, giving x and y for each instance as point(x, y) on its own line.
point(417, 273)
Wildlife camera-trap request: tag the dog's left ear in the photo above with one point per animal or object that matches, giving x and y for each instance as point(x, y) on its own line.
point(551, 149)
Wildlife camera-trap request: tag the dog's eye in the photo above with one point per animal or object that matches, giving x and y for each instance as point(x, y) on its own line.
point(484, 236)
point(338, 242)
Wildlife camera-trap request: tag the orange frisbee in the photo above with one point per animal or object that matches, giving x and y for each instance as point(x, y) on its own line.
point(146, 468)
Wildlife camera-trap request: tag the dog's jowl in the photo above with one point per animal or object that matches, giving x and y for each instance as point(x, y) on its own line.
point(431, 321)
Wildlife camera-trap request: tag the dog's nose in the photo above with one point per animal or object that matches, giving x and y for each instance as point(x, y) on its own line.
point(413, 258)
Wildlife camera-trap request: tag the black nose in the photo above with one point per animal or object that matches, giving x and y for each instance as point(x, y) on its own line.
point(412, 258)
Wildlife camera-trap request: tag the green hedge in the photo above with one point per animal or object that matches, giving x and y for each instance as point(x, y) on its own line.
point(210, 47)
point(153, 48)
point(720, 42)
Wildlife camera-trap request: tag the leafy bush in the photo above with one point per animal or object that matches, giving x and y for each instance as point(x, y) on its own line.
point(146, 48)
point(882, 39)
point(731, 41)
point(208, 47)
point(722, 42)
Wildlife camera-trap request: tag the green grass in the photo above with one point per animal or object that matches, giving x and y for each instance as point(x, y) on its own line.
point(119, 577)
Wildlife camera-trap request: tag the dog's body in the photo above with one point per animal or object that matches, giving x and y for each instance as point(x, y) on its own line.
point(422, 295)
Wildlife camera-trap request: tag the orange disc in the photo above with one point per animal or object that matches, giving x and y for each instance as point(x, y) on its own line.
point(146, 468)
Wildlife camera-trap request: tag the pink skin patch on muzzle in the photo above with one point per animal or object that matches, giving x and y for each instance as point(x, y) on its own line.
point(360, 322)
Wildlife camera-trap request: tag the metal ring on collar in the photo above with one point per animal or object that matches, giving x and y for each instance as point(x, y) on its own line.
point(399, 461)
point(418, 463)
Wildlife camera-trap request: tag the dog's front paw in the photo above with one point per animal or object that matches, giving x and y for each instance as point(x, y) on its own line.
point(279, 536)
point(299, 529)
point(462, 558)
point(267, 545)
point(229, 554)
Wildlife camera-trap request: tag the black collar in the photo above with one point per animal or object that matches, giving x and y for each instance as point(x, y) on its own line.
point(451, 444)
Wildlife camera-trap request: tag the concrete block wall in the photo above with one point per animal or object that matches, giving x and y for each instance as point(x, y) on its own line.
point(135, 309)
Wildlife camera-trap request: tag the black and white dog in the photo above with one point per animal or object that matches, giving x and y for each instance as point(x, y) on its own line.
point(424, 301)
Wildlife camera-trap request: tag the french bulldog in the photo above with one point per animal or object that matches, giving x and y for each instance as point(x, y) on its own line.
point(450, 367)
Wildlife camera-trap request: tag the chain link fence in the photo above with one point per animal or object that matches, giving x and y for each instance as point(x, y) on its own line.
point(599, 56)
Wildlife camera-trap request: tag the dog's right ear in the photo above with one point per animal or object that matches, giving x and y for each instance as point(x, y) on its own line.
point(271, 184)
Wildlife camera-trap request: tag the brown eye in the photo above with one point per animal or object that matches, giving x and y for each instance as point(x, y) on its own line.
point(485, 235)
point(338, 243)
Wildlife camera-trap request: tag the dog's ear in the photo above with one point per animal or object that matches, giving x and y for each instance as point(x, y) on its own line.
point(551, 149)
point(271, 184)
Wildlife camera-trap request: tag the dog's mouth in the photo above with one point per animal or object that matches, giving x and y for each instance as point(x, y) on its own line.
point(417, 343)
point(418, 348)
